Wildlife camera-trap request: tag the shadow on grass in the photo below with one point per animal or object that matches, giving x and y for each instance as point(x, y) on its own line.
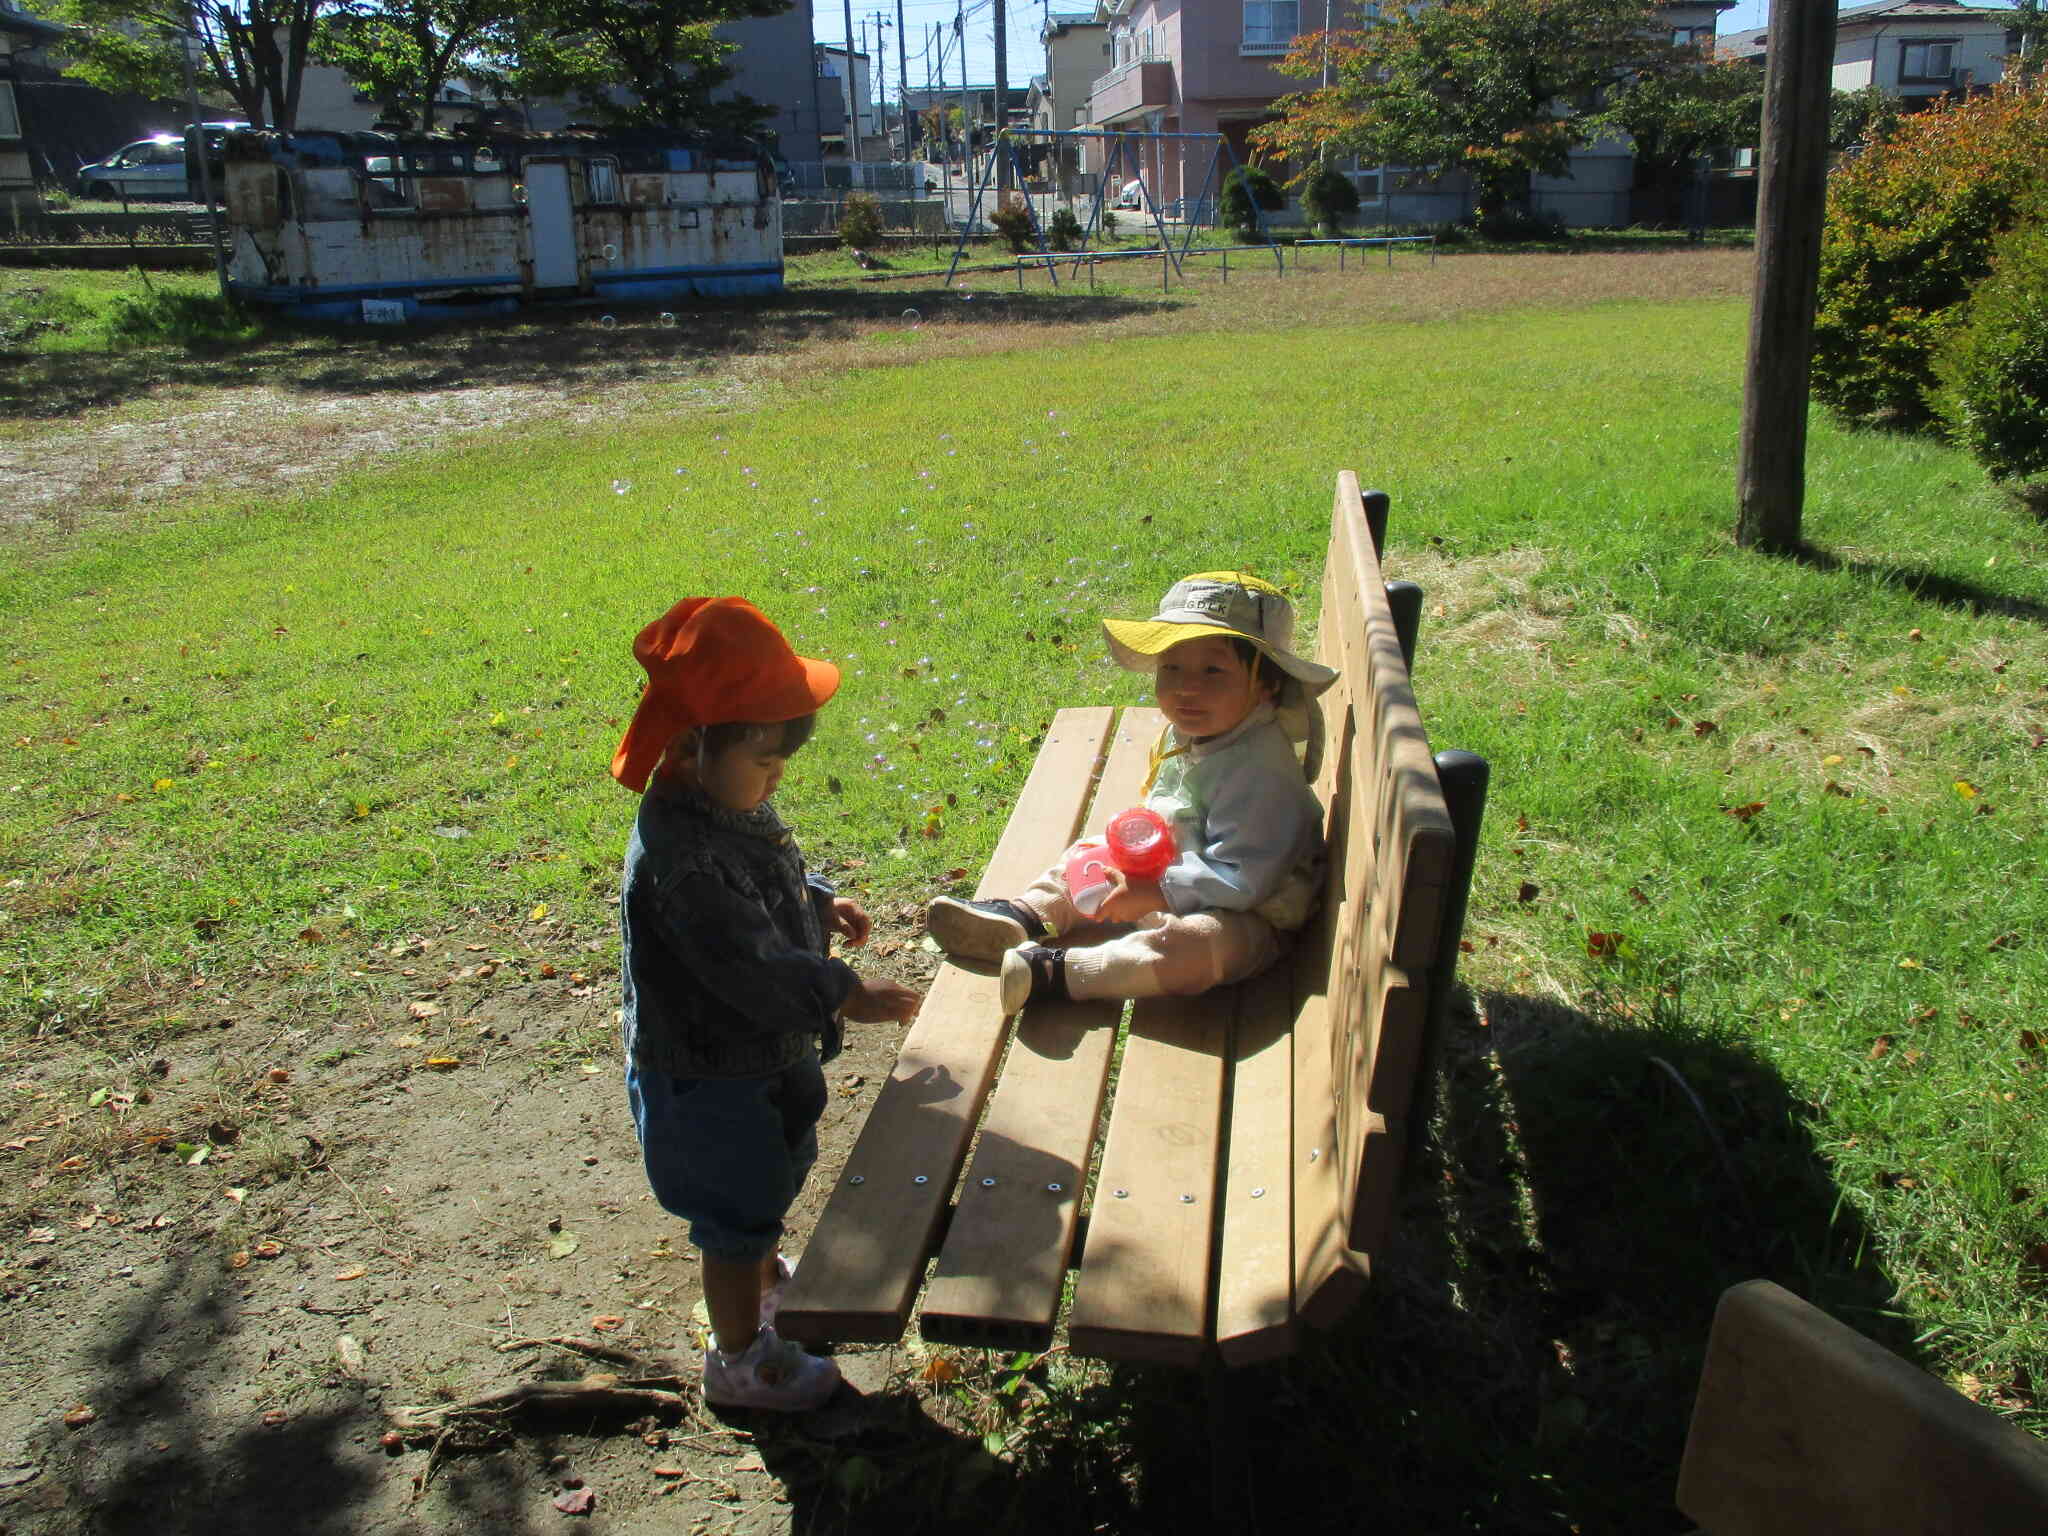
point(560, 348)
point(1930, 586)
point(1526, 1359)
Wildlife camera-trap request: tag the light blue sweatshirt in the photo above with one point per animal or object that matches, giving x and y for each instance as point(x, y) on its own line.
point(1246, 826)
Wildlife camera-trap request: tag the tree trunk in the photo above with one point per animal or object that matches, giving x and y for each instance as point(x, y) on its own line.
point(1770, 482)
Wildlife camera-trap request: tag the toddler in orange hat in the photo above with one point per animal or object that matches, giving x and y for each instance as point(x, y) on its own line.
point(733, 1000)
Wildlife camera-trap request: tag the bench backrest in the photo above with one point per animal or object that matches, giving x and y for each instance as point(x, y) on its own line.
point(1363, 982)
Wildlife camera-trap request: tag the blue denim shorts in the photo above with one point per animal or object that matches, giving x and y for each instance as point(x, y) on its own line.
point(728, 1154)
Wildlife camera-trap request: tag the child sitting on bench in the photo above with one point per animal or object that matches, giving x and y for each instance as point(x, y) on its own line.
point(1247, 829)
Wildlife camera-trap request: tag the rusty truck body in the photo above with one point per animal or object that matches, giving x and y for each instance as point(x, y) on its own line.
point(391, 228)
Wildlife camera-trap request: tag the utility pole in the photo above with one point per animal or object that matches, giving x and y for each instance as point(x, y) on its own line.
point(902, 80)
point(1002, 102)
point(852, 118)
point(213, 215)
point(966, 117)
point(1770, 478)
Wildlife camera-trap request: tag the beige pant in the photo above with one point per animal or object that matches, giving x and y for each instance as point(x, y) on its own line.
point(1160, 955)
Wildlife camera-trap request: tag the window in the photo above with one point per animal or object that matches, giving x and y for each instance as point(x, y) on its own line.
point(10, 119)
point(601, 180)
point(1269, 25)
point(1926, 62)
point(1691, 37)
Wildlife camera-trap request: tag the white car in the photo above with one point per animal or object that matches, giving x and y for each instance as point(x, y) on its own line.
point(152, 167)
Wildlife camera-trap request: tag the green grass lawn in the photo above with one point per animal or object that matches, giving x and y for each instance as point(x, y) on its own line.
point(1800, 803)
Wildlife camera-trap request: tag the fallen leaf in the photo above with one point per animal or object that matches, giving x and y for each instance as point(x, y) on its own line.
point(279, 1075)
point(1602, 946)
point(1880, 1047)
point(1966, 789)
point(269, 1248)
point(42, 1234)
point(670, 1471)
point(538, 913)
point(79, 1417)
point(19, 1144)
point(275, 1417)
point(348, 1354)
point(239, 1259)
point(561, 1247)
point(1914, 635)
point(353, 1272)
point(311, 936)
point(547, 971)
point(608, 1322)
point(1832, 788)
point(750, 1464)
point(444, 1063)
point(1528, 893)
point(1832, 760)
point(2003, 940)
point(576, 1501)
point(1704, 727)
point(1635, 893)
point(939, 1370)
point(423, 1010)
point(1744, 812)
point(1909, 964)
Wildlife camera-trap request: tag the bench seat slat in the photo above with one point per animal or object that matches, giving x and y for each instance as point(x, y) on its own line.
point(1143, 1292)
point(1255, 1263)
point(1004, 1263)
point(865, 1260)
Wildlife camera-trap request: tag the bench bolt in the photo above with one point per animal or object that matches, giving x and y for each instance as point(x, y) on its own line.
point(1187, 1199)
point(1054, 1188)
point(988, 1183)
point(858, 1178)
point(1123, 1194)
point(1258, 1192)
point(921, 1179)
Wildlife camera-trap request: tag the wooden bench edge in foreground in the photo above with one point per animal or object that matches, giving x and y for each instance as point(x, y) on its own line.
point(1803, 1427)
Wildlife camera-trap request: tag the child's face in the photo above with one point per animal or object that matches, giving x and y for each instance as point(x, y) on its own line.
point(1204, 688)
point(745, 773)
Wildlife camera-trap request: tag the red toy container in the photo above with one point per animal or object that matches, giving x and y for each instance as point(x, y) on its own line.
point(1138, 842)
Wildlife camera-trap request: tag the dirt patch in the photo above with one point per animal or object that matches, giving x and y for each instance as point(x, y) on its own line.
point(233, 1258)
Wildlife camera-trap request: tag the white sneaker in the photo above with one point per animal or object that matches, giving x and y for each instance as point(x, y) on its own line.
point(771, 1299)
point(772, 1372)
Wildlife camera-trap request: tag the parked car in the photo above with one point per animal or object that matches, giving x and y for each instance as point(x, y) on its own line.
point(152, 167)
point(215, 136)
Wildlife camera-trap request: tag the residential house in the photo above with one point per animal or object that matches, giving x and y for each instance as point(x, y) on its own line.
point(1915, 50)
point(1077, 51)
point(1207, 67)
point(19, 33)
point(836, 64)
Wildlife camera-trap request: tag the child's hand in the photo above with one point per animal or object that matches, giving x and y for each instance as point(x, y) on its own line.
point(878, 1000)
point(1128, 900)
point(849, 921)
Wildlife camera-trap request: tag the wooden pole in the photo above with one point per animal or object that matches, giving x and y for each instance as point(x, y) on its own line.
point(1770, 484)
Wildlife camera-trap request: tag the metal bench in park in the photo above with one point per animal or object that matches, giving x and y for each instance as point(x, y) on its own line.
point(1252, 1138)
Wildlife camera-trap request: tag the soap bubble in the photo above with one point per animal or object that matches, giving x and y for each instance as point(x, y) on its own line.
point(668, 317)
point(611, 252)
point(620, 487)
point(609, 322)
point(912, 316)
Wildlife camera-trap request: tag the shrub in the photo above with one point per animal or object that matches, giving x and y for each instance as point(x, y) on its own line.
point(1246, 189)
point(860, 220)
point(1329, 199)
point(1866, 116)
point(1013, 223)
point(1512, 226)
point(1992, 367)
point(1108, 224)
point(199, 322)
point(1065, 230)
point(1909, 230)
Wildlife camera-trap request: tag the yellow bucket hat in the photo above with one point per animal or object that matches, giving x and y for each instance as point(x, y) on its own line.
point(1228, 603)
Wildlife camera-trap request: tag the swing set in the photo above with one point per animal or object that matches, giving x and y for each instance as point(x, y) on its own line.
point(1121, 145)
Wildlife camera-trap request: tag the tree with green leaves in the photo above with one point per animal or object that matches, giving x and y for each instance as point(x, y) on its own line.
point(2030, 24)
point(1866, 116)
point(253, 51)
point(404, 52)
point(1686, 110)
point(663, 56)
point(1499, 89)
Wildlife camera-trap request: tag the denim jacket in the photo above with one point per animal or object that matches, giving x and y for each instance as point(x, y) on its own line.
point(726, 968)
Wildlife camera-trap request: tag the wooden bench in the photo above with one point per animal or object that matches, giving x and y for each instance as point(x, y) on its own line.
point(1246, 1181)
point(1803, 1426)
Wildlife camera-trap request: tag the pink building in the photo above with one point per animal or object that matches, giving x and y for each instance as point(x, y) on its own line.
point(1202, 66)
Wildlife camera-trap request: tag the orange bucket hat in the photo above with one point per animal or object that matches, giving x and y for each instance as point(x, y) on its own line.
point(710, 660)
